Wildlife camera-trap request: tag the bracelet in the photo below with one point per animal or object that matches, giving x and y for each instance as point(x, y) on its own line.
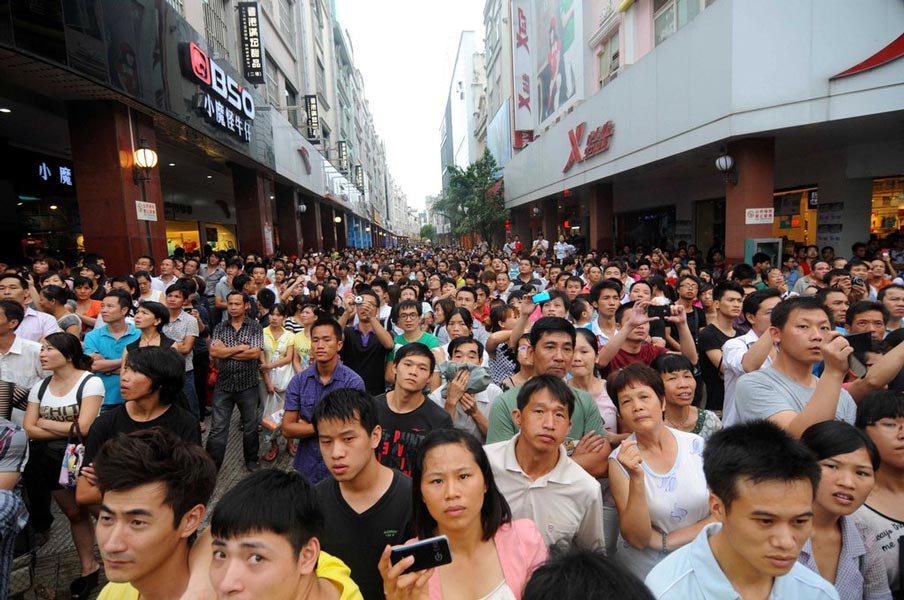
point(665, 542)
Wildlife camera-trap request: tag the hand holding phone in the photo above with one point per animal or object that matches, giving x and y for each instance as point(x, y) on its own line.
point(659, 312)
point(540, 298)
point(429, 553)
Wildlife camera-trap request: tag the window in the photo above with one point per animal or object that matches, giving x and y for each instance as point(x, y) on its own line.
point(272, 74)
point(671, 15)
point(215, 28)
point(177, 4)
point(608, 60)
point(291, 104)
point(318, 12)
point(321, 78)
point(287, 20)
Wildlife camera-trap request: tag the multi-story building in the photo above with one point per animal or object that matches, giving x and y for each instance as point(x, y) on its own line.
point(459, 130)
point(633, 103)
point(225, 97)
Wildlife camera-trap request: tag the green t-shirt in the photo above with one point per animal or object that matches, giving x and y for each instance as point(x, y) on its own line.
point(428, 339)
point(586, 417)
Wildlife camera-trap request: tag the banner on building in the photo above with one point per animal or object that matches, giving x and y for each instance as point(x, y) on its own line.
point(523, 41)
point(250, 40)
point(342, 155)
point(559, 57)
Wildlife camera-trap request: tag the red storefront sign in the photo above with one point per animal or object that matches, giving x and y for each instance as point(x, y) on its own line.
point(597, 143)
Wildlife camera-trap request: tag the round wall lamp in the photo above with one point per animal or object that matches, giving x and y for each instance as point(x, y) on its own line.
point(337, 219)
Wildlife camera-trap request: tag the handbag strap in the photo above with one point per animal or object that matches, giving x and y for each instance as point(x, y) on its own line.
point(78, 399)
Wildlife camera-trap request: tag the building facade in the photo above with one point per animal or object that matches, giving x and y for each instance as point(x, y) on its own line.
point(243, 103)
point(632, 102)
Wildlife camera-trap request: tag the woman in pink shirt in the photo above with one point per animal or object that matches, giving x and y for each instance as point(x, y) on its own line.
point(454, 494)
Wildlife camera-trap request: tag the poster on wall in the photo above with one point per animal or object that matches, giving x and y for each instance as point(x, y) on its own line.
point(830, 225)
point(559, 55)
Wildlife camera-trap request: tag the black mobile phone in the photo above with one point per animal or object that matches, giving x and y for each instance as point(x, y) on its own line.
point(660, 312)
point(429, 553)
point(861, 343)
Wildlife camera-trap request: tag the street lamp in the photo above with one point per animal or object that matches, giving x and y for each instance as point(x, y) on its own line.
point(145, 159)
point(725, 165)
point(337, 219)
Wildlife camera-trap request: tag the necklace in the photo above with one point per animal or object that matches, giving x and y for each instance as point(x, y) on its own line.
point(683, 425)
point(149, 341)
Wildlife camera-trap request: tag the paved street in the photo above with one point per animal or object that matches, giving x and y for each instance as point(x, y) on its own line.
point(57, 560)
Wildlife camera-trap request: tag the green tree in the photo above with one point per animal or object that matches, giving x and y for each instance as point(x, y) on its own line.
point(468, 203)
point(428, 232)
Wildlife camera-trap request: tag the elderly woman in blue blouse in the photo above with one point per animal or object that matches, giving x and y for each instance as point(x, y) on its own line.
point(837, 549)
point(656, 475)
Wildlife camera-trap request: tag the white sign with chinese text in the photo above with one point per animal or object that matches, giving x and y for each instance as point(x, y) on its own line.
point(147, 211)
point(759, 216)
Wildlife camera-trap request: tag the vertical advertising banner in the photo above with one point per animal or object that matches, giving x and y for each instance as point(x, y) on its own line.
point(250, 37)
point(522, 65)
point(559, 56)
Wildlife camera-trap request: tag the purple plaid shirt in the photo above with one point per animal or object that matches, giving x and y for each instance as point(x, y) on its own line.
point(304, 392)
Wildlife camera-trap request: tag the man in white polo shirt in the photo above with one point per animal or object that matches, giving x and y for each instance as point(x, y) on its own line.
point(535, 475)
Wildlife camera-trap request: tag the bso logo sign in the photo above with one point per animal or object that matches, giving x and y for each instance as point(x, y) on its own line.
point(197, 65)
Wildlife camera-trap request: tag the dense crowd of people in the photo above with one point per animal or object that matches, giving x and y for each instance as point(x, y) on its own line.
point(655, 423)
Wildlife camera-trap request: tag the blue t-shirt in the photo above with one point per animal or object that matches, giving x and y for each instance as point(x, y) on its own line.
point(101, 341)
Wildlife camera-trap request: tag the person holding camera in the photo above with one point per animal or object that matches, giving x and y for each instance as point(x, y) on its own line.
point(367, 343)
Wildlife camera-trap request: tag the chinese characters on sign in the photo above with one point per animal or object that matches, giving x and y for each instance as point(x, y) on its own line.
point(597, 143)
point(313, 125)
point(147, 211)
point(250, 34)
point(522, 63)
point(342, 151)
point(759, 216)
point(224, 102)
point(47, 175)
point(359, 178)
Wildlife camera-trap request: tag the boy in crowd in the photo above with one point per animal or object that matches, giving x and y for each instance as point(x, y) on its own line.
point(728, 297)
point(405, 414)
point(266, 543)
point(762, 484)
point(365, 505)
point(155, 488)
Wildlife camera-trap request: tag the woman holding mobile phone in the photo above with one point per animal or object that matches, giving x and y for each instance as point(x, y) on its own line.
point(454, 494)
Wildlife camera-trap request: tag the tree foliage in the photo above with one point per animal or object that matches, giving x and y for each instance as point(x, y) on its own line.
point(428, 232)
point(467, 203)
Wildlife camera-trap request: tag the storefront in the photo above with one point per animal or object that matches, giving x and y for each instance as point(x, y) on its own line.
point(810, 150)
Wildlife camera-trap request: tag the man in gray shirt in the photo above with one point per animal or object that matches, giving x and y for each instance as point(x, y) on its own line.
point(788, 393)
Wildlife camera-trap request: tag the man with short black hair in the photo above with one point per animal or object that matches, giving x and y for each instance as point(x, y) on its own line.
point(106, 344)
point(20, 361)
point(762, 486)
point(728, 297)
point(892, 298)
point(167, 276)
point(34, 325)
point(551, 350)
point(535, 475)
point(155, 488)
point(787, 393)
point(308, 388)
point(867, 317)
point(266, 543)
point(366, 344)
point(237, 344)
point(469, 411)
point(405, 413)
point(183, 330)
point(365, 505)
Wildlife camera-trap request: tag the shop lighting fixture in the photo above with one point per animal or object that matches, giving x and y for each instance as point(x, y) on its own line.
point(20, 204)
point(337, 219)
point(367, 229)
point(172, 164)
point(5, 110)
point(53, 207)
point(725, 165)
point(210, 176)
point(272, 197)
point(145, 160)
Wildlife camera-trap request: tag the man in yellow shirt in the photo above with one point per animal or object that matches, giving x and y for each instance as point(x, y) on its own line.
point(155, 488)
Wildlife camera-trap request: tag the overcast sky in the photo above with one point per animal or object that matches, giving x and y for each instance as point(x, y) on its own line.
point(405, 50)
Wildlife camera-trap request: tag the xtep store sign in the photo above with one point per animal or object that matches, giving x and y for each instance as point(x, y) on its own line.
point(223, 102)
point(597, 143)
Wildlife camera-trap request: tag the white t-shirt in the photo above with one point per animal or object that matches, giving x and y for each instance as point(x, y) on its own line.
point(65, 408)
point(675, 499)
